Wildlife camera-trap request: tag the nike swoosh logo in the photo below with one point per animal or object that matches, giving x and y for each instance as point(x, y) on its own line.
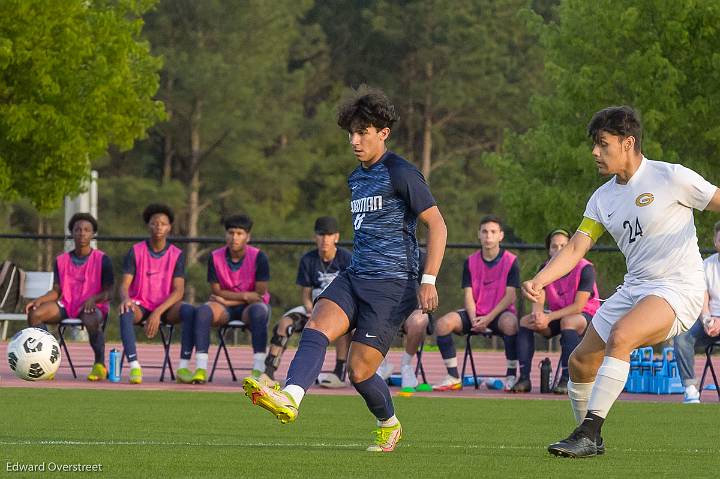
point(610, 214)
point(369, 336)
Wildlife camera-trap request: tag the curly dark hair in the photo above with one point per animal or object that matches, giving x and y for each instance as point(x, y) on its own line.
point(156, 208)
point(366, 107)
point(82, 217)
point(238, 221)
point(622, 121)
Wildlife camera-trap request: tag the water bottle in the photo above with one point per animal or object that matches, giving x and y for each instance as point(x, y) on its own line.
point(545, 372)
point(114, 366)
point(494, 383)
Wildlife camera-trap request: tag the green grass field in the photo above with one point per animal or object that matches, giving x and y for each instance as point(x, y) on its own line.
point(209, 434)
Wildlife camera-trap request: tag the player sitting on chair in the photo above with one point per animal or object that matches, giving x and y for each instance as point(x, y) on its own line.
point(490, 280)
point(238, 275)
point(153, 285)
point(83, 280)
point(705, 330)
point(572, 301)
point(317, 269)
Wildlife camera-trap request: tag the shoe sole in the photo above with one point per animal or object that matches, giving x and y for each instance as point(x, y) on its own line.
point(253, 390)
point(382, 449)
point(449, 388)
point(559, 452)
point(199, 381)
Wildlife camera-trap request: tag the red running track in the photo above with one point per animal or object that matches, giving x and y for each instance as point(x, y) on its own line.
point(488, 363)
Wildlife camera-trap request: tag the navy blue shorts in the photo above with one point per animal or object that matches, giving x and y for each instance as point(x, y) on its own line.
point(376, 308)
point(493, 326)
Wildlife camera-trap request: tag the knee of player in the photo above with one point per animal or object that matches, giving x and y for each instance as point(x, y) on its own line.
point(573, 321)
point(620, 341)
point(416, 322)
point(444, 325)
point(509, 325)
point(358, 373)
point(34, 318)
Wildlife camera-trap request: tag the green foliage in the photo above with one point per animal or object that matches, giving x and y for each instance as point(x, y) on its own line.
point(75, 76)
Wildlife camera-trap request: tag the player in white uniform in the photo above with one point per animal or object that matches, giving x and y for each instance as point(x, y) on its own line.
point(647, 208)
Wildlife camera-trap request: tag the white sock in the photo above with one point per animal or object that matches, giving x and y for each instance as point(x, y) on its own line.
point(406, 359)
point(450, 362)
point(134, 364)
point(579, 394)
point(201, 360)
point(184, 363)
point(259, 361)
point(296, 392)
point(388, 422)
point(512, 363)
point(609, 383)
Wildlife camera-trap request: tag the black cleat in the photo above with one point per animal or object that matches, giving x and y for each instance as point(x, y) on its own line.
point(600, 444)
point(523, 385)
point(561, 387)
point(576, 446)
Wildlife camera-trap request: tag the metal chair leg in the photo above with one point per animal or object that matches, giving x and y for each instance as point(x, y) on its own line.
point(419, 367)
point(63, 345)
point(472, 363)
point(166, 345)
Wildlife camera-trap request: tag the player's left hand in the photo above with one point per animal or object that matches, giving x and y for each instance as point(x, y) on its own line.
point(152, 324)
point(428, 298)
point(540, 320)
point(89, 306)
point(532, 290)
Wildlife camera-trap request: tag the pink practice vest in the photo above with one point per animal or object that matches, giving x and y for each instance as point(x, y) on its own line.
point(561, 293)
point(241, 280)
point(153, 279)
point(488, 284)
point(80, 282)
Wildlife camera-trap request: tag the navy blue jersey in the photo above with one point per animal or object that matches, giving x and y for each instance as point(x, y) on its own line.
point(106, 269)
point(316, 274)
point(386, 199)
point(129, 261)
point(262, 267)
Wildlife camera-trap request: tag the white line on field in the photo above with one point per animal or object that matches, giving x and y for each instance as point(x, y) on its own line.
point(64, 442)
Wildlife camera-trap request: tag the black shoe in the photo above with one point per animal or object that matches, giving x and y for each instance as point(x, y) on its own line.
point(577, 445)
point(523, 385)
point(561, 387)
point(600, 446)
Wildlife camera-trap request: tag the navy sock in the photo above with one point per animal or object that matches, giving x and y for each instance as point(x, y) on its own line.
point(376, 393)
point(187, 316)
point(569, 339)
point(511, 353)
point(203, 321)
point(259, 313)
point(446, 345)
point(525, 350)
point(339, 370)
point(97, 343)
point(308, 360)
point(127, 334)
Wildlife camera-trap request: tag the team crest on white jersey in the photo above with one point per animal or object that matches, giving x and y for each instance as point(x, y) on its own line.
point(644, 199)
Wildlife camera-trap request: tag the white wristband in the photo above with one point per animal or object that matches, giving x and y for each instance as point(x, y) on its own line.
point(428, 279)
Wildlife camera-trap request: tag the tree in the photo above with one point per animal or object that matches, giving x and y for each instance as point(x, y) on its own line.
point(660, 57)
point(75, 77)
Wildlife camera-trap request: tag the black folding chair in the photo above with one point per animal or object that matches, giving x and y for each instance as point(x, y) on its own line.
point(468, 355)
point(709, 365)
point(166, 340)
point(222, 330)
point(68, 323)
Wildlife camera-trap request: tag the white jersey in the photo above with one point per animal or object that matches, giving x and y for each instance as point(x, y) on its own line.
point(712, 281)
point(651, 219)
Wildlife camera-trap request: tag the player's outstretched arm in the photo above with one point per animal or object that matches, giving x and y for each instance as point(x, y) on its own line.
point(559, 266)
point(437, 238)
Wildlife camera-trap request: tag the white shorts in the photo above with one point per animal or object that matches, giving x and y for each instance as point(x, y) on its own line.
point(686, 300)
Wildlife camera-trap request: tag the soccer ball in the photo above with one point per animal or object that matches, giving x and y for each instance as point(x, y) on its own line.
point(34, 354)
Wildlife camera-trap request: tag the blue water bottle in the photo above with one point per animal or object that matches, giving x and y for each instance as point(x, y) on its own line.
point(114, 366)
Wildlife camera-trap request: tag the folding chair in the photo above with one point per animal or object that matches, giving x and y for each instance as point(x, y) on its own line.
point(70, 322)
point(709, 365)
point(222, 330)
point(468, 355)
point(166, 340)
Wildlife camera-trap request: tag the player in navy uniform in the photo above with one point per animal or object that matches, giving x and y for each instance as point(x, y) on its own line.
point(317, 269)
point(379, 289)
